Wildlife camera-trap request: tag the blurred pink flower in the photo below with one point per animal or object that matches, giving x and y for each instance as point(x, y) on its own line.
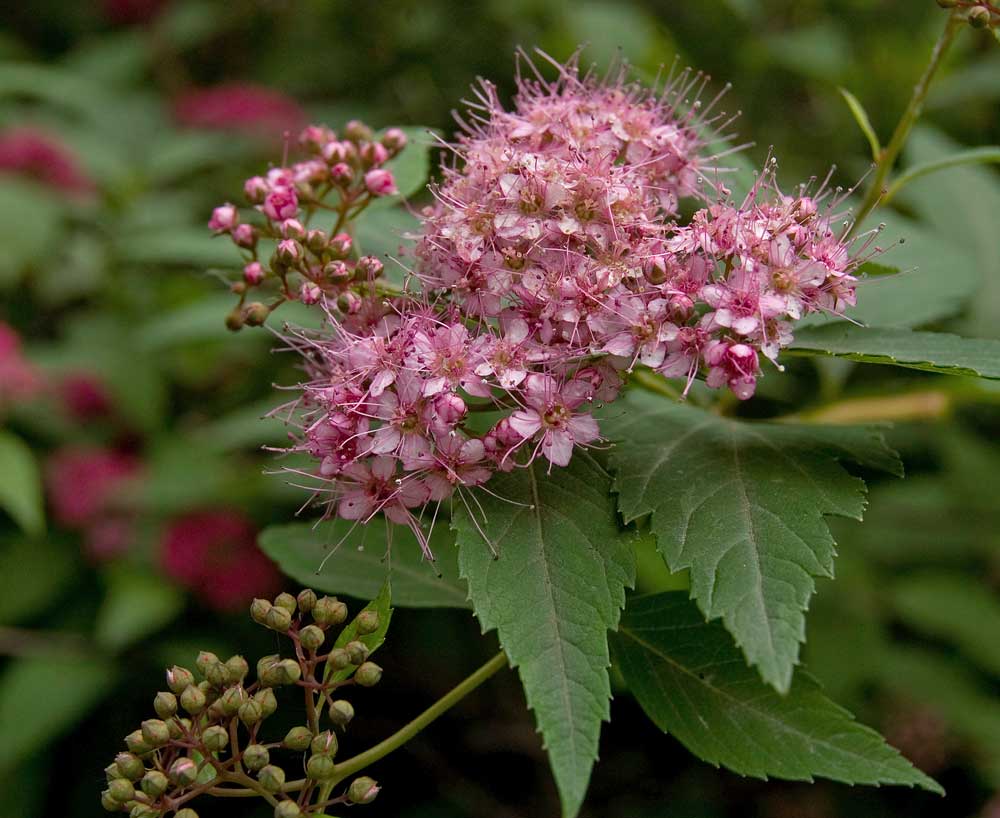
point(125, 12)
point(84, 483)
point(253, 109)
point(84, 396)
point(19, 380)
point(42, 157)
point(215, 554)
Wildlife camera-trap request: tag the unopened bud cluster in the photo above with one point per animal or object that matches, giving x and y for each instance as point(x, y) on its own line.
point(208, 733)
point(281, 247)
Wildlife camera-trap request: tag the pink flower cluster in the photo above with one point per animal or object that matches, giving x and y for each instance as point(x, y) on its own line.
point(552, 263)
point(19, 380)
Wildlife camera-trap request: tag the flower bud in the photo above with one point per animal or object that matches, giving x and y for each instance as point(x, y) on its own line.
point(341, 712)
point(178, 678)
point(187, 812)
point(256, 756)
point(394, 139)
point(224, 218)
point(340, 246)
point(193, 700)
point(154, 784)
point(271, 778)
point(357, 131)
point(245, 236)
point(336, 271)
point(366, 622)
point(306, 600)
point(369, 267)
point(287, 809)
point(362, 790)
point(121, 790)
point(373, 154)
point(278, 619)
point(183, 772)
point(368, 674)
point(357, 651)
point(288, 252)
point(298, 739)
point(109, 803)
point(319, 767)
point(341, 174)
point(215, 738)
point(230, 701)
point(130, 766)
point(217, 675)
point(349, 303)
point(178, 727)
point(293, 229)
point(136, 743)
point(312, 637)
point(250, 712)
point(253, 273)
point(979, 17)
point(144, 811)
point(234, 320)
point(211, 695)
point(329, 611)
point(155, 732)
point(238, 668)
point(380, 182)
point(310, 293)
point(255, 189)
point(259, 609)
point(255, 314)
point(165, 704)
point(324, 743)
point(111, 772)
point(338, 659)
point(267, 701)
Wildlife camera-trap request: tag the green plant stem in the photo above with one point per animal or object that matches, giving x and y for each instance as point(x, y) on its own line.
point(404, 734)
point(890, 153)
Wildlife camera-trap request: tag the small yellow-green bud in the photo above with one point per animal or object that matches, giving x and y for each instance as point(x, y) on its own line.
point(234, 320)
point(278, 619)
point(109, 803)
point(193, 700)
point(250, 713)
point(267, 701)
point(338, 659)
point(368, 674)
point(255, 313)
point(297, 738)
point(178, 727)
point(154, 784)
point(143, 811)
point(270, 671)
point(312, 637)
point(324, 744)
point(215, 738)
point(367, 622)
point(238, 668)
point(187, 812)
point(178, 678)
point(205, 660)
point(259, 609)
point(211, 694)
point(287, 809)
point(218, 675)
point(286, 601)
point(306, 600)
point(121, 790)
point(319, 767)
point(271, 778)
point(183, 772)
point(362, 790)
point(341, 712)
point(979, 17)
point(291, 671)
point(111, 772)
point(155, 732)
point(165, 704)
point(255, 756)
point(357, 652)
point(230, 701)
point(329, 610)
point(136, 743)
point(130, 766)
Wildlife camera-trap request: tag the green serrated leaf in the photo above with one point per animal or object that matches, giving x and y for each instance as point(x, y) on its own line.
point(742, 505)
point(373, 641)
point(692, 682)
point(861, 117)
point(930, 351)
point(363, 561)
point(136, 605)
point(555, 588)
point(21, 484)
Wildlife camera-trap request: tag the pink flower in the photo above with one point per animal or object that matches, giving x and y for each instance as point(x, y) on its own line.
point(42, 157)
point(245, 107)
point(224, 218)
point(214, 553)
point(552, 412)
point(85, 483)
point(85, 396)
point(732, 365)
point(281, 204)
point(373, 488)
point(380, 182)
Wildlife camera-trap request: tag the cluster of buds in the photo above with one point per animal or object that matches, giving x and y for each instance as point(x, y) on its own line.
point(978, 13)
point(340, 176)
point(207, 737)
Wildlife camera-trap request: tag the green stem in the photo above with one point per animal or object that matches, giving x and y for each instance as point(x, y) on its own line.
point(910, 116)
point(404, 734)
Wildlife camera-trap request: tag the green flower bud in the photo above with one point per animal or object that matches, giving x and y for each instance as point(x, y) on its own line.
point(341, 712)
point(329, 610)
point(291, 671)
point(267, 701)
point(362, 790)
point(210, 693)
point(255, 313)
point(178, 678)
point(130, 766)
point(238, 668)
point(215, 738)
point(319, 767)
point(979, 17)
point(272, 674)
point(234, 320)
point(193, 700)
point(187, 812)
point(286, 601)
point(143, 811)
point(287, 809)
point(154, 784)
point(368, 674)
point(136, 743)
point(306, 600)
point(183, 772)
point(231, 700)
point(255, 756)
point(324, 744)
point(312, 637)
point(155, 732)
point(265, 663)
point(109, 803)
point(178, 727)
point(165, 704)
point(297, 738)
point(121, 790)
point(338, 659)
point(250, 713)
point(218, 674)
point(111, 772)
point(278, 619)
point(205, 660)
point(357, 651)
point(271, 778)
point(366, 622)
point(259, 609)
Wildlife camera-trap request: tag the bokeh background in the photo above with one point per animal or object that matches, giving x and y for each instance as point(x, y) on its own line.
point(123, 122)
